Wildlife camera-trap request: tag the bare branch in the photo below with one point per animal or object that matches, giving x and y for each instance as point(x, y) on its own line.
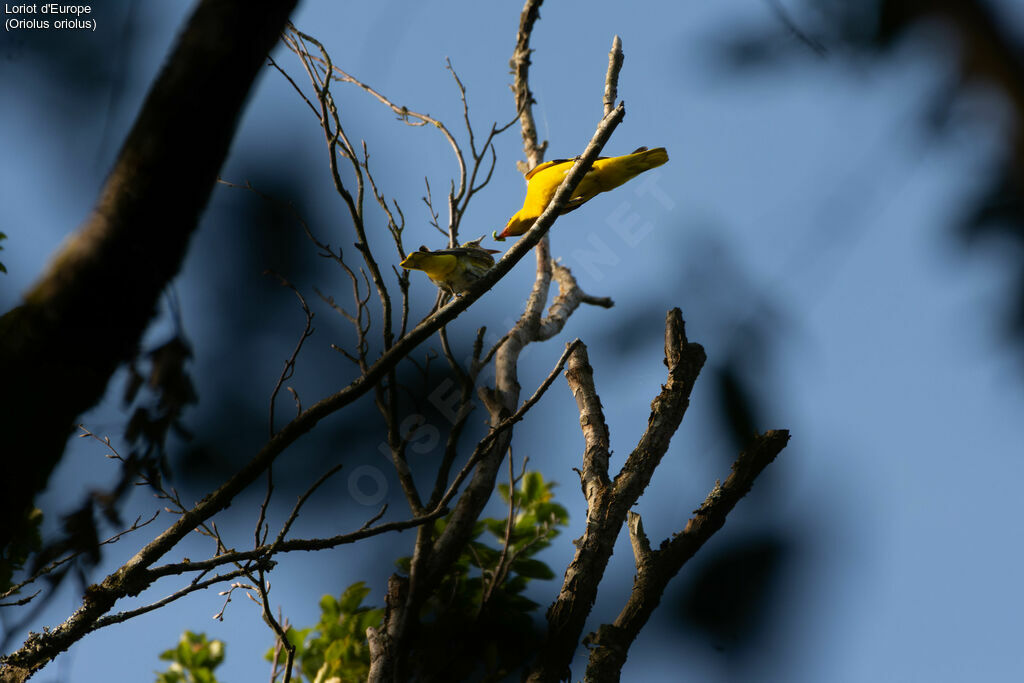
point(494, 349)
point(395, 227)
point(520, 65)
point(289, 546)
point(655, 568)
point(532, 401)
point(43, 571)
point(638, 539)
point(609, 502)
point(814, 44)
point(262, 529)
point(684, 361)
point(380, 513)
point(301, 501)
point(289, 365)
point(403, 113)
point(504, 562)
point(487, 443)
point(611, 80)
point(263, 588)
point(580, 376)
point(191, 588)
point(462, 413)
point(296, 87)
point(569, 298)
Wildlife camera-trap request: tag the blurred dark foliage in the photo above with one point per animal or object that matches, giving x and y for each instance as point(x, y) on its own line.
point(742, 377)
point(728, 594)
point(70, 60)
point(172, 392)
point(736, 406)
point(731, 596)
point(977, 33)
point(744, 324)
point(43, 62)
point(158, 412)
point(35, 68)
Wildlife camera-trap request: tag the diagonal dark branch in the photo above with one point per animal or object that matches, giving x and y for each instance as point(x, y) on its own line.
point(110, 274)
point(136, 236)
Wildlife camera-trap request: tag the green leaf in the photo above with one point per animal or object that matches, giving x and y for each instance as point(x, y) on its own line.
point(353, 597)
point(487, 555)
point(552, 511)
point(533, 489)
point(496, 527)
point(503, 491)
point(532, 569)
point(193, 660)
point(329, 607)
point(335, 651)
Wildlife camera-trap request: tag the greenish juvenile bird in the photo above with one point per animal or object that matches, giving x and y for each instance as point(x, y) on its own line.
point(453, 270)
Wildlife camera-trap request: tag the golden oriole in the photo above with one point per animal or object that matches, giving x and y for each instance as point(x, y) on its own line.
point(453, 270)
point(605, 174)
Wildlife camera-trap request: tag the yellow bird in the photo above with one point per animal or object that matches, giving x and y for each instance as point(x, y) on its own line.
point(605, 174)
point(453, 270)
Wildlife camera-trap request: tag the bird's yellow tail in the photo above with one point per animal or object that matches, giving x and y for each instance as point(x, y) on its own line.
point(614, 171)
point(650, 158)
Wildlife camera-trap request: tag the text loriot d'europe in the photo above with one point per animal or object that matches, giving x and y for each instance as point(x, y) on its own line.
point(26, 16)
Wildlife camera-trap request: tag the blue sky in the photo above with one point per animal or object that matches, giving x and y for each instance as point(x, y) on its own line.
point(806, 196)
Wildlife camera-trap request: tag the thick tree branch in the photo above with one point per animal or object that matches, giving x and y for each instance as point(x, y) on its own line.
point(86, 314)
point(609, 502)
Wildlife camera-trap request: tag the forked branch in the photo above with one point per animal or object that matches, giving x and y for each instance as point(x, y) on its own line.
point(655, 568)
